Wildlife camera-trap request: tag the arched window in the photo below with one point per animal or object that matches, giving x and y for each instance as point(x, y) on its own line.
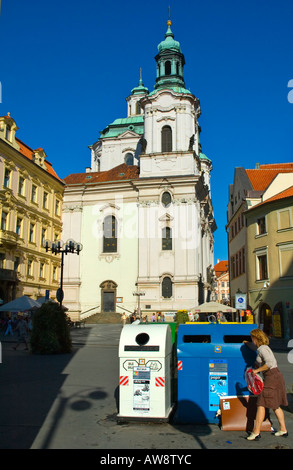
point(109, 234)
point(167, 288)
point(129, 159)
point(166, 199)
point(166, 139)
point(167, 238)
point(168, 67)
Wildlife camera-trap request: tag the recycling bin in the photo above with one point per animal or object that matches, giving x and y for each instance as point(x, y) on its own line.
point(145, 355)
point(212, 360)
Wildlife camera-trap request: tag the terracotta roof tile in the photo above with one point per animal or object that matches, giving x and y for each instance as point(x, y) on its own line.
point(27, 152)
point(121, 172)
point(277, 166)
point(221, 267)
point(277, 197)
point(262, 178)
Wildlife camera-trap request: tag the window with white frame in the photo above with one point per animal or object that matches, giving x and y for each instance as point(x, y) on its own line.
point(261, 226)
point(261, 265)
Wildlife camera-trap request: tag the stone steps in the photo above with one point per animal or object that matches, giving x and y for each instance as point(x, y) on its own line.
point(104, 317)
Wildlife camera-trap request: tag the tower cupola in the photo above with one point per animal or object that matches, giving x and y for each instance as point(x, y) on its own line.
point(170, 62)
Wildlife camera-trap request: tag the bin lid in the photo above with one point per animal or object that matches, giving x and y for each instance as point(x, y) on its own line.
point(192, 336)
point(152, 342)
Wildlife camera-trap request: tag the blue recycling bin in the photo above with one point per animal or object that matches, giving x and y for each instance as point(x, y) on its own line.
point(211, 362)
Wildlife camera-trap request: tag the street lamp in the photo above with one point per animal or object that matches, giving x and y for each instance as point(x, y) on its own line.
point(58, 247)
point(138, 294)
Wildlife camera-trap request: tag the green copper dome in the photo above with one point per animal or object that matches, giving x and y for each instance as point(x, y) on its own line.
point(169, 42)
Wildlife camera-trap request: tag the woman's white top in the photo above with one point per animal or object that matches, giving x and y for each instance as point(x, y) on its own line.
point(266, 356)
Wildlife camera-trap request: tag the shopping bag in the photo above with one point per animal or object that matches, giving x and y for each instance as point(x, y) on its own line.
point(254, 382)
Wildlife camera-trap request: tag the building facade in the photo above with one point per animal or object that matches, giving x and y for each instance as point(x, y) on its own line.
point(31, 196)
point(260, 244)
point(143, 210)
point(222, 288)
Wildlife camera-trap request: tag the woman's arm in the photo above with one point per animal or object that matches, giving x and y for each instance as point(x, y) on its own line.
point(260, 369)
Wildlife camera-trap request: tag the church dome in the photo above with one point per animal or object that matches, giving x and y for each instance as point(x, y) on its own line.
point(169, 43)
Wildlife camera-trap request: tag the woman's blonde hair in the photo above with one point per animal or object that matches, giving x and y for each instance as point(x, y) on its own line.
point(260, 336)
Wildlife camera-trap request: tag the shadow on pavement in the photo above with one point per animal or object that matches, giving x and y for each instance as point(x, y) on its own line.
point(29, 385)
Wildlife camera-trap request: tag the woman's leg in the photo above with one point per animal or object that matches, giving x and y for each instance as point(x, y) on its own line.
point(281, 418)
point(260, 416)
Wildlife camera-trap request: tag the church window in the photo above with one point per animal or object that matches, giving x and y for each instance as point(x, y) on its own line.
point(166, 139)
point(129, 159)
point(168, 67)
point(109, 235)
point(167, 288)
point(166, 199)
point(167, 238)
point(138, 108)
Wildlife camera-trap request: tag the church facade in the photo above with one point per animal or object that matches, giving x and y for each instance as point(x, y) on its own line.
point(143, 210)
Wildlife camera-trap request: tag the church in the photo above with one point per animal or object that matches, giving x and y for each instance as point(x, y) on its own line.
point(143, 210)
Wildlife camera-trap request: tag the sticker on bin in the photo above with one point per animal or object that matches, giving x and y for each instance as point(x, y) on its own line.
point(180, 365)
point(124, 380)
point(160, 381)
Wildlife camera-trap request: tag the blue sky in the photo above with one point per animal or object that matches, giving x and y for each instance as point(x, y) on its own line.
point(67, 67)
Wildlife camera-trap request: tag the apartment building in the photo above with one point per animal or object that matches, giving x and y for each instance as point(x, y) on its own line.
point(260, 229)
point(31, 197)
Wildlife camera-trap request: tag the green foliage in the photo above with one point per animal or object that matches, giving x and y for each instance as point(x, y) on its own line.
point(50, 332)
point(181, 316)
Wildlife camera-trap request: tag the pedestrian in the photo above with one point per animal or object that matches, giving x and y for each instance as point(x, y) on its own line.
point(22, 331)
point(123, 318)
point(273, 395)
point(9, 328)
point(153, 318)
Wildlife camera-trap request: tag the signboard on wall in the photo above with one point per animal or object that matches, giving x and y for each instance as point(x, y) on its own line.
point(241, 301)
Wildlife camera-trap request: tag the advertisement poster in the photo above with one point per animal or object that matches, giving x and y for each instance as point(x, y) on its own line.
point(218, 382)
point(141, 388)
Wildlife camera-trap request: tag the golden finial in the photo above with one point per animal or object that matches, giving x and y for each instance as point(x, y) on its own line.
point(169, 22)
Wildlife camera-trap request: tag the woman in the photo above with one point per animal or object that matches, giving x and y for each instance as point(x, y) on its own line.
point(274, 391)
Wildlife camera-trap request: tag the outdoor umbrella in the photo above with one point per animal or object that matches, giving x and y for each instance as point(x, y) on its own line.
point(213, 307)
point(22, 304)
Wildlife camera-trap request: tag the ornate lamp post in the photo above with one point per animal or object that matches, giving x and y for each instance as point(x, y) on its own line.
point(58, 247)
point(138, 294)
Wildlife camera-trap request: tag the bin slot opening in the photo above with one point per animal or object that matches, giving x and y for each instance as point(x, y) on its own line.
point(141, 348)
point(197, 338)
point(236, 338)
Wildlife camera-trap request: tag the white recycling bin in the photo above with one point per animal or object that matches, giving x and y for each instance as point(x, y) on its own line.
point(145, 355)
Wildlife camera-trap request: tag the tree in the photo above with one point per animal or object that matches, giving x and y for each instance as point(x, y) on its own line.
point(50, 331)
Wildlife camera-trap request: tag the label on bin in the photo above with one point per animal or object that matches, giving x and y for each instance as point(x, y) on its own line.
point(141, 389)
point(218, 382)
point(129, 364)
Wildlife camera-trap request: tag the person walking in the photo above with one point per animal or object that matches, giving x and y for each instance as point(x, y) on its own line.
point(22, 330)
point(273, 395)
point(123, 318)
point(9, 328)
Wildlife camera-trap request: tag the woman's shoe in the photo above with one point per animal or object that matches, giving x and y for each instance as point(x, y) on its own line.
point(281, 433)
point(253, 437)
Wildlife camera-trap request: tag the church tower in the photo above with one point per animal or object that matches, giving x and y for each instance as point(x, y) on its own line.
point(143, 210)
point(176, 219)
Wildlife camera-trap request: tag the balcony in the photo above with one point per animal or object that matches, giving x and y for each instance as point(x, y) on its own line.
point(8, 275)
point(8, 238)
